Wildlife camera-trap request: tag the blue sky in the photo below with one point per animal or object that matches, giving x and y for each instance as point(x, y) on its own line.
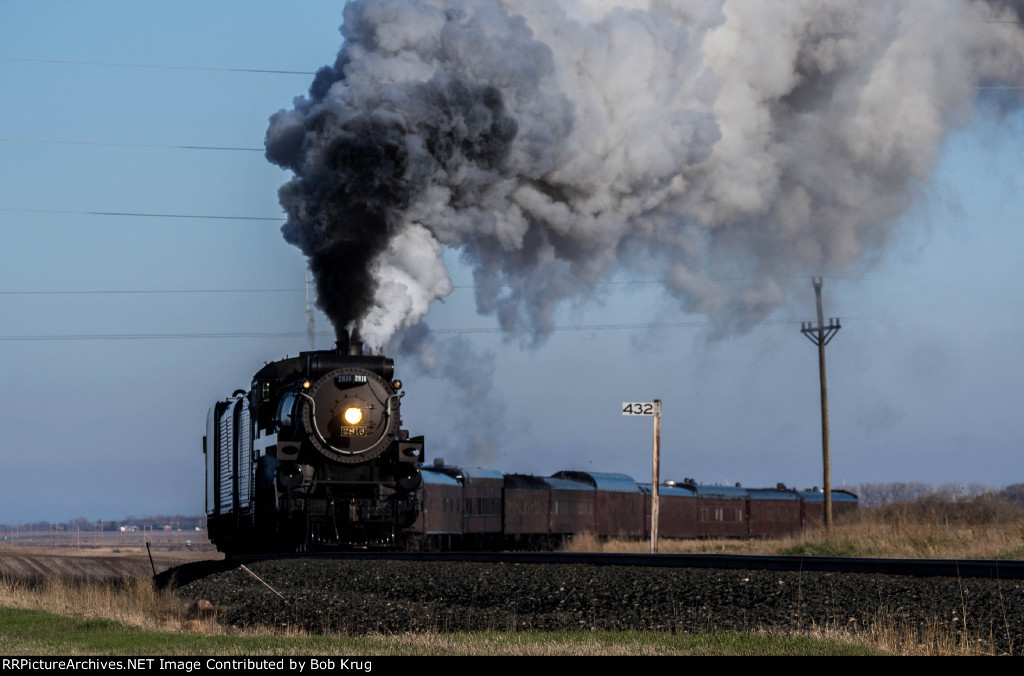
point(924, 378)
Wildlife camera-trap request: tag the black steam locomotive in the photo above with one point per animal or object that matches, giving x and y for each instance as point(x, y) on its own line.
point(312, 457)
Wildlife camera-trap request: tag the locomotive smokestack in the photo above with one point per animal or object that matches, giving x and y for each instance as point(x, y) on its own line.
point(355, 345)
point(342, 344)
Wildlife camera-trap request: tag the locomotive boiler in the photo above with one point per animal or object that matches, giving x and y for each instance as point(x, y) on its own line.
point(312, 457)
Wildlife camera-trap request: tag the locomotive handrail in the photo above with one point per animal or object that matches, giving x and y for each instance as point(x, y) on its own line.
point(316, 428)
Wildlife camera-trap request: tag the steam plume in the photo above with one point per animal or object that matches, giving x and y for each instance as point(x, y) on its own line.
point(554, 142)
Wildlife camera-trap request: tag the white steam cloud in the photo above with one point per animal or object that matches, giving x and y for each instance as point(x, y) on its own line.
point(552, 143)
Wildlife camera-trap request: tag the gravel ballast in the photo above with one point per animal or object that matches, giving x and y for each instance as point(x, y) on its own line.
point(358, 597)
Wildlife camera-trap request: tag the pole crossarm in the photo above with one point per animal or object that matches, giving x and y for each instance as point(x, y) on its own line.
point(822, 334)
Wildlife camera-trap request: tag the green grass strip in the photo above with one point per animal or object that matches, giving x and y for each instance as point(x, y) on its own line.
point(31, 632)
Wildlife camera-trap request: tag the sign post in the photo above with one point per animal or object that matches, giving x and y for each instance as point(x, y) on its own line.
point(652, 409)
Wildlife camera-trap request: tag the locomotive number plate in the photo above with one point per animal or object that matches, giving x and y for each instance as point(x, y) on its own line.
point(353, 431)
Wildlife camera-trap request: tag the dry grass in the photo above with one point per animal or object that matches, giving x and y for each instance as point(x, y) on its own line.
point(896, 638)
point(933, 527)
point(133, 601)
point(894, 540)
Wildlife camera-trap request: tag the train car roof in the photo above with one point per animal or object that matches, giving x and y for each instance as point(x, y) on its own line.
point(730, 492)
point(772, 494)
point(819, 496)
point(678, 490)
point(560, 484)
point(437, 478)
point(468, 475)
point(479, 473)
point(526, 481)
point(612, 483)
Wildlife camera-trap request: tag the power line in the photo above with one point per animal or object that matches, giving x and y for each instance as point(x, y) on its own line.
point(281, 219)
point(156, 66)
point(127, 145)
point(637, 282)
point(618, 327)
point(100, 292)
point(297, 334)
point(163, 146)
point(149, 336)
point(143, 215)
point(466, 330)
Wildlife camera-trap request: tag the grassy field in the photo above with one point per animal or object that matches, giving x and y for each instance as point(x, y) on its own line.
point(68, 541)
point(32, 632)
point(130, 618)
point(126, 616)
point(932, 528)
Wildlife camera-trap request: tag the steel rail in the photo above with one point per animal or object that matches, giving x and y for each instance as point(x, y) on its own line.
point(956, 568)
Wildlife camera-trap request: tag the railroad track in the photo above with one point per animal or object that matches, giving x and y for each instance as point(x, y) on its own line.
point(353, 594)
point(957, 568)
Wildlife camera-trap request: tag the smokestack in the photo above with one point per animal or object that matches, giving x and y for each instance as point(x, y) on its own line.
point(342, 343)
point(355, 345)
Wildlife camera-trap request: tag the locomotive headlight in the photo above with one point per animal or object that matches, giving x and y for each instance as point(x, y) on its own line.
point(353, 415)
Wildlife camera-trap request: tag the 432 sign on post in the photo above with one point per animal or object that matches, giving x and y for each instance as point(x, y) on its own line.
point(640, 408)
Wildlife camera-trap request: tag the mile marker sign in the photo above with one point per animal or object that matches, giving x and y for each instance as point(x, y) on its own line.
point(641, 407)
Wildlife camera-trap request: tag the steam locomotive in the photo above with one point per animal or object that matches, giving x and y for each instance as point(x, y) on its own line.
point(312, 457)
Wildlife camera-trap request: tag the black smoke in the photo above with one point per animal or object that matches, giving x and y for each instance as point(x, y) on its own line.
point(357, 175)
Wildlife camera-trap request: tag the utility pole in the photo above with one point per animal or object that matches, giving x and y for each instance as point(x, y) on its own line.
point(655, 476)
point(820, 335)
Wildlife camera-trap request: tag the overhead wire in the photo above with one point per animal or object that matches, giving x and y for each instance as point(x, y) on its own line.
point(57, 292)
point(157, 66)
point(281, 219)
point(128, 145)
point(85, 292)
point(278, 219)
point(439, 331)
